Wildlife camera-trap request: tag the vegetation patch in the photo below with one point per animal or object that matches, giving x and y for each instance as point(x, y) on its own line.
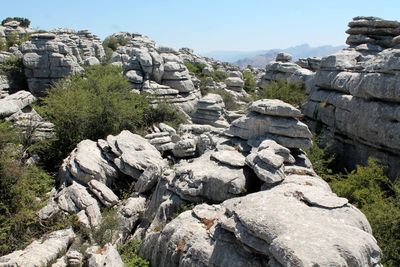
point(292, 93)
point(368, 188)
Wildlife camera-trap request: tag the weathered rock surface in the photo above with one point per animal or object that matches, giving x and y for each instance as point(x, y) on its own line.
point(155, 70)
point(87, 162)
point(264, 120)
point(47, 59)
point(283, 226)
point(355, 94)
point(373, 30)
point(14, 103)
point(283, 69)
point(41, 252)
point(103, 256)
point(210, 110)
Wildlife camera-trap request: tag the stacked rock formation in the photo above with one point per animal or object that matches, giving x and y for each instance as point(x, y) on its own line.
point(85, 46)
point(162, 137)
point(156, 70)
point(356, 95)
point(310, 63)
point(283, 69)
point(58, 54)
point(373, 30)
point(272, 119)
point(46, 60)
point(210, 110)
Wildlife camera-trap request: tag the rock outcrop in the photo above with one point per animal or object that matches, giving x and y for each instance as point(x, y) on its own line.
point(40, 252)
point(356, 96)
point(272, 119)
point(283, 69)
point(47, 57)
point(374, 31)
point(155, 70)
point(210, 110)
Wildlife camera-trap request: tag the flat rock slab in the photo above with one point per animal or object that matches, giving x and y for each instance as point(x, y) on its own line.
point(229, 157)
point(274, 107)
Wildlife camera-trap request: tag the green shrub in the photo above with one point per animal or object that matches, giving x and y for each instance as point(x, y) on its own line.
point(219, 76)
point(13, 68)
point(106, 230)
point(196, 68)
point(111, 44)
point(22, 191)
point(291, 93)
point(229, 100)
point(24, 22)
point(92, 107)
point(167, 113)
point(129, 254)
point(249, 81)
point(368, 188)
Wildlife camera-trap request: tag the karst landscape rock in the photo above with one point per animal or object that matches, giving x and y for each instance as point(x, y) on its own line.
point(234, 184)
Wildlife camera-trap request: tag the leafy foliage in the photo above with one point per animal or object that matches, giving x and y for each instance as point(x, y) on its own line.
point(24, 22)
point(129, 254)
point(167, 113)
point(249, 81)
point(291, 93)
point(195, 68)
point(373, 193)
point(91, 107)
point(13, 67)
point(106, 230)
point(111, 44)
point(21, 189)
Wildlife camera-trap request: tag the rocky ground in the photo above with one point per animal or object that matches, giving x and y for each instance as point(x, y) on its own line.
point(227, 188)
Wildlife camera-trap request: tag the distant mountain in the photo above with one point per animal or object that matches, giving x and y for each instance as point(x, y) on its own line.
point(260, 58)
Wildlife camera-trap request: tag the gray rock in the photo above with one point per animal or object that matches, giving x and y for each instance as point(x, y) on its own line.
point(274, 107)
point(103, 193)
point(283, 57)
point(40, 252)
point(87, 162)
point(105, 256)
point(229, 157)
point(16, 102)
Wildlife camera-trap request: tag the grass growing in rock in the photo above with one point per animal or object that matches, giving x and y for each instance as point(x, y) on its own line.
point(13, 68)
point(22, 191)
point(129, 254)
point(369, 189)
point(291, 93)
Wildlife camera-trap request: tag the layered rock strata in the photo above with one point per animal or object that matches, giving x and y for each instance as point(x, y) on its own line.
point(356, 96)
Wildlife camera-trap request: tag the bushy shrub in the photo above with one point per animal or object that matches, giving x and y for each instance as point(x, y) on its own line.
point(292, 93)
point(129, 254)
point(167, 113)
point(108, 227)
point(13, 68)
point(196, 68)
point(22, 191)
point(249, 81)
point(92, 107)
point(111, 44)
point(229, 100)
point(24, 22)
point(368, 188)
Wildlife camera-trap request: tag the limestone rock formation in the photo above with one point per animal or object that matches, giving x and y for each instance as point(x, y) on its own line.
point(47, 57)
point(275, 120)
point(40, 252)
point(373, 30)
point(156, 70)
point(210, 110)
point(356, 96)
point(283, 226)
point(283, 69)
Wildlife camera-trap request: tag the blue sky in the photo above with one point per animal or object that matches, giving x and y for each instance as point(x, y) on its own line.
point(208, 25)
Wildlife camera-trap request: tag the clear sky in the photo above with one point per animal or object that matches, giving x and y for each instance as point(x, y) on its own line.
point(207, 25)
